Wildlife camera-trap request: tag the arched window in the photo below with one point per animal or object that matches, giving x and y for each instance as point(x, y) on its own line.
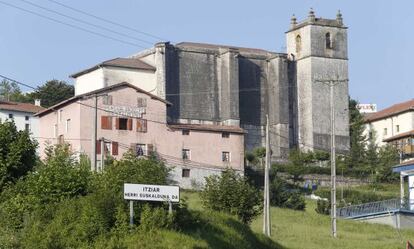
point(298, 43)
point(328, 40)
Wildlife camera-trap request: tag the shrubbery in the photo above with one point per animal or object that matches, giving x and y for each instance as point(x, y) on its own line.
point(285, 195)
point(231, 193)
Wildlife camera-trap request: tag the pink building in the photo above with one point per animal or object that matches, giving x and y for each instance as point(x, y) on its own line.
point(131, 118)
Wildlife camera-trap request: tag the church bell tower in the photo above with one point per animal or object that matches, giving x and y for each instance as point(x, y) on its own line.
point(318, 50)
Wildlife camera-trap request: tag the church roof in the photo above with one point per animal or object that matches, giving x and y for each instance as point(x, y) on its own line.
point(132, 63)
point(218, 46)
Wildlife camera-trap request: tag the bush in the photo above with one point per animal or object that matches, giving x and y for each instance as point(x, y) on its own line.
point(155, 218)
point(323, 207)
point(295, 201)
point(17, 153)
point(285, 195)
point(232, 193)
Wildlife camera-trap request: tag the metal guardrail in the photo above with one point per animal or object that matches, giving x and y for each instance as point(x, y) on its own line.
point(371, 208)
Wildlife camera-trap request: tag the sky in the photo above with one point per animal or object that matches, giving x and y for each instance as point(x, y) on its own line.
point(34, 49)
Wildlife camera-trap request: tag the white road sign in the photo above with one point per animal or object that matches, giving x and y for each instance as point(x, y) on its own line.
point(146, 192)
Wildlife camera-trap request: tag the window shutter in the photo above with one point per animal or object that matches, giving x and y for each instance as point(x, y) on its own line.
point(141, 125)
point(144, 125)
point(103, 122)
point(150, 149)
point(98, 146)
point(129, 124)
point(106, 123)
point(114, 148)
point(117, 123)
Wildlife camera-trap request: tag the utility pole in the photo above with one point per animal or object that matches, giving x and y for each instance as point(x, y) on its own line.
point(94, 127)
point(94, 133)
point(331, 84)
point(333, 162)
point(102, 153)
point(266, 206)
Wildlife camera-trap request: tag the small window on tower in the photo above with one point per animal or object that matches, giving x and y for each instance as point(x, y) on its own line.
point(328, 40)
point(298, 43)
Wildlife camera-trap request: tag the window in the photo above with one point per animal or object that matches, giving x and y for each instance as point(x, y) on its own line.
point(27, 127)
point(225, 134)
point(107, 100)
point(328, 40)
point(141, 102)
point(26, 118)
point(106, 123)
point(141, 149)
point(397, 127)
point(60, 115)
point(55, 130)
point(370, 135)
point(107, 147)
point(185, 173)
point(67, 126)
point(124, 124)
point(141, 125)
point(298, 43)
point(186, 154)
point(385, 131)
point(114, 148)
point(225, 156)
point(186, 132)
point(61, 139)
point(11, 115)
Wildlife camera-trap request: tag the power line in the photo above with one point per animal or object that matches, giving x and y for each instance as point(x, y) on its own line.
point(86, 22)
point(108, 21)
point(15, 81)
point(72, 26)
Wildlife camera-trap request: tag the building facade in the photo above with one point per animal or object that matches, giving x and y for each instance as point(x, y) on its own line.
point(129, 118)
point(227, 85)
point(22, 114)
point(394, 125)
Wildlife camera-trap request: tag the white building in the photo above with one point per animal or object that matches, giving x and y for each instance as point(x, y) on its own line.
point(394, 125)
point(22, 115)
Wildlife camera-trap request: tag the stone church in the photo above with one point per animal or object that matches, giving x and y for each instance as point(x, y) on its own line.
point(228, 85)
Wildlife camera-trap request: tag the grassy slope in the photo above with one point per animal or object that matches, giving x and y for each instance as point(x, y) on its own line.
point(296, 229)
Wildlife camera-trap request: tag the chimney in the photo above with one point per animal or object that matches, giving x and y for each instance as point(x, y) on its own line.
point(37, 102)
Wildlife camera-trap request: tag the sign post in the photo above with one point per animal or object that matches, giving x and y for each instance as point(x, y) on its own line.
point(147, 192)
point(131, 213)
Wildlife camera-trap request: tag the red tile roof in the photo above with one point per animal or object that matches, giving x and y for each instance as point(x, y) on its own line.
point(207, 127)
point(391, 111)
point(132, 63)
point(105, 89)
point(20, 107)
point(401, 135)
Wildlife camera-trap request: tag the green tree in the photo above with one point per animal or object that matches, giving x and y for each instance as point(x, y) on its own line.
point(10, 91)
point(52, 92)
point(17, 153)
point(357, 137)
point(231, 193)
point(388, 157)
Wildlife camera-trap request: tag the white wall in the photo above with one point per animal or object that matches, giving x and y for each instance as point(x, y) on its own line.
point(404, 120)
point(144, 79)
point(89, 81)
point(107, 76)
point(20, 121)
